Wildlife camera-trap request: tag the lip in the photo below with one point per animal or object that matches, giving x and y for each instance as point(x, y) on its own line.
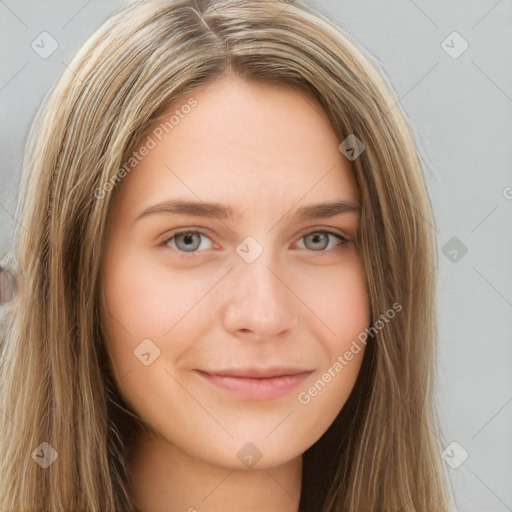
point(257, 383)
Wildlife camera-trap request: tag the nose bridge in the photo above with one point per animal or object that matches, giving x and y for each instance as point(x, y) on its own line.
point(260, 279)
point(259, 300)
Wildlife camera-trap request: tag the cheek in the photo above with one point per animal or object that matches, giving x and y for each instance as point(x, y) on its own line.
point(343, 308)
point(142, 301)
point(346, 305)
point(339, 299)
point(141, 298)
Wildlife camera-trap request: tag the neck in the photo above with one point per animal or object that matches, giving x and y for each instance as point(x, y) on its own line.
point(164, 478)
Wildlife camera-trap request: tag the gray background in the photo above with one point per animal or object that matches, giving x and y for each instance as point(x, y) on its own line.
point(460, 110)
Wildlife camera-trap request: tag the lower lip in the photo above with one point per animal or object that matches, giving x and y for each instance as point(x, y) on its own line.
point(257, 389)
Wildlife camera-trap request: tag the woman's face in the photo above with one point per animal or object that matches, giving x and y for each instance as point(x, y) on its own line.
point(229, 297)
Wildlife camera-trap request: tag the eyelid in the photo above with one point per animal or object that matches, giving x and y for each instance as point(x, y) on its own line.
point(344, 239)
point(327, 229)
point(205, 232)
point(187, 230)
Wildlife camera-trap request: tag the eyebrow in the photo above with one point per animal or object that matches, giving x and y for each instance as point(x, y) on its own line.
point(220, 211)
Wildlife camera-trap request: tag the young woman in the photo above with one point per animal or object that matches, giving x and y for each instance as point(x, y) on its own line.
point(226, 276)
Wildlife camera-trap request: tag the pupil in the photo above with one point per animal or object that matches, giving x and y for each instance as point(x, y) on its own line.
point(317, 238)
point(188, 241)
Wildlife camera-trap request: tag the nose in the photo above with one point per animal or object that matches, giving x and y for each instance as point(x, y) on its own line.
point(260, 303)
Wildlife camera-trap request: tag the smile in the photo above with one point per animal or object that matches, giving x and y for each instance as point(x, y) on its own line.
point(256, 385)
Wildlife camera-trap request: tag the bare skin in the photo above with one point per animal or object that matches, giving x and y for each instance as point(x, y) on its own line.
point(287, 301)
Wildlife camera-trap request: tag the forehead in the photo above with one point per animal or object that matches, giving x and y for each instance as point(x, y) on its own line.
point(245, 143)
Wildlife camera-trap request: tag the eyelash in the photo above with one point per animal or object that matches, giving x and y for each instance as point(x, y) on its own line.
point(187, 254)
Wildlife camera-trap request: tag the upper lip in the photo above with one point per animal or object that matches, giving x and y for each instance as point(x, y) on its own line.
point(258, 372)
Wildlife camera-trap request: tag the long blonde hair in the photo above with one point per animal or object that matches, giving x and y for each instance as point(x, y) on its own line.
point(382, 452)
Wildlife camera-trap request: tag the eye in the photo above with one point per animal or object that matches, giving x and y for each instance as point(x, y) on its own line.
point(186, 241)
point(320, 240)
point(190, 241)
